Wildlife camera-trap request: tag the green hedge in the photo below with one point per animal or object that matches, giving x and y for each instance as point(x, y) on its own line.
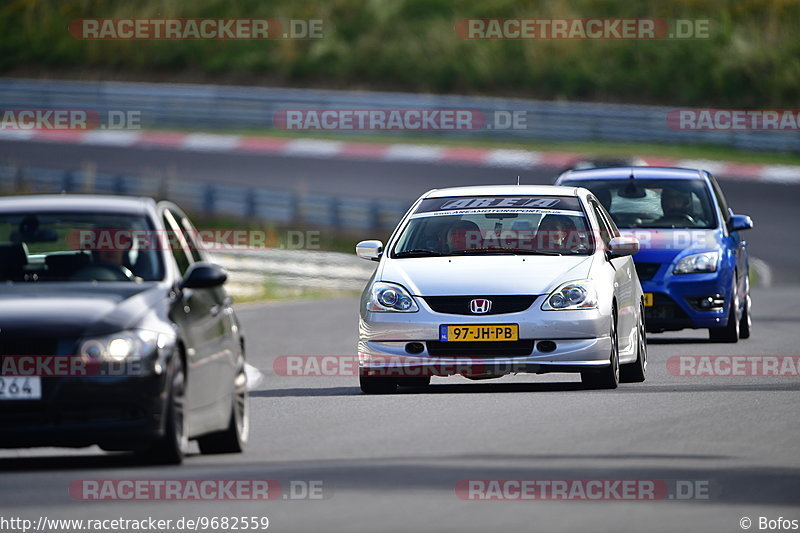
point(752, 59)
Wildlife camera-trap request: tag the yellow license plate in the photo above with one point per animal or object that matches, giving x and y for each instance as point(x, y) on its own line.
point(648, 299)
point(482, 333)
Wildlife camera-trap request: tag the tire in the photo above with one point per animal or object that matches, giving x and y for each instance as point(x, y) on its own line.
point(729, 333)
point(637, 372)
point(377, 385)
point(608, 377)
point(170, 449)
point(746, 321)
point(232, 439)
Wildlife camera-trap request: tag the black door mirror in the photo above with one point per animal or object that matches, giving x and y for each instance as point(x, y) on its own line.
point(202, 275)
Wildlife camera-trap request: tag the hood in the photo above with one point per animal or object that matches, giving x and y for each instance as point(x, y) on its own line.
point(74, 310)
point(665, 245)
point(485, 275)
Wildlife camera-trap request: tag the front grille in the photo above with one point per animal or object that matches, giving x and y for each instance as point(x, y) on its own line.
point(481, 349)
point(664, 308)
point(459, 305)
point(29, 345)
point(646, 271)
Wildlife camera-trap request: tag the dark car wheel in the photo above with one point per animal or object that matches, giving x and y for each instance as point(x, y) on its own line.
point(637, 372)
point(171, 448)
point(608, 377)
point(377, 385)
point(730, 332)
point(234, 438)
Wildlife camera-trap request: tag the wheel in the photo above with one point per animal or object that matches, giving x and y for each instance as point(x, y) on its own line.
point(729, 333)
point(377, 385)
point(171, 448)
point(608, 377)
point(232, 439)
point(637, 372)
point(746, 321)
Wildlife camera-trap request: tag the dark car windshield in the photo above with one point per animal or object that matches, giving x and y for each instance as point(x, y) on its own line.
point(78, 247)
point(654, 203)
point(534, 225)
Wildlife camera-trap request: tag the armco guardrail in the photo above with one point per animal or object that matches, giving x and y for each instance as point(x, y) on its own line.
point(282, 207)
point(251, 270)
point(231, 107)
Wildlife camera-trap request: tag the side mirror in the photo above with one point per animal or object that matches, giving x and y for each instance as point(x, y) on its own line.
point(622, 246)
point(739, 223)
point(202, 275)
point(371, 250)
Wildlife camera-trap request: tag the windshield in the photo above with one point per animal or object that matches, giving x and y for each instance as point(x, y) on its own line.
point(529, 225)
point(76, 247)
point(637, 203)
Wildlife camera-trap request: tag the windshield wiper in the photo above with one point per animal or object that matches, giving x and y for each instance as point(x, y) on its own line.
point(486, 251)
point(417, 253)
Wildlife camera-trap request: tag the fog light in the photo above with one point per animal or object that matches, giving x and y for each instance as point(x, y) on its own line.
point(415, 348)
point(705, 303)
point(546, 346)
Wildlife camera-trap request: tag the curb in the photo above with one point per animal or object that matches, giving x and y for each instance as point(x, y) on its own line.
point(406, 152)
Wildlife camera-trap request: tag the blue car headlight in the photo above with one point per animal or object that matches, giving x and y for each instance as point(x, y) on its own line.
point(390, 298)
point(572, 295)
point(692, 264)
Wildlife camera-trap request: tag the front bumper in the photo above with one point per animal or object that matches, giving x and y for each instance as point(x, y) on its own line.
point(117, 413)
point(675, 296)
point(581, 339)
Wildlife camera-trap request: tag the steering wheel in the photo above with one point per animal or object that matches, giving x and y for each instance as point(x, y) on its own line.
point(102, 272)
point(678, 217)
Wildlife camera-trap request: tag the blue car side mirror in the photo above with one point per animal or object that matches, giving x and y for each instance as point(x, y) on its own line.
point(739, 223)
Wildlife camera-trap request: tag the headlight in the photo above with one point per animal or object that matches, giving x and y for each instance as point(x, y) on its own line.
point(389, 297)
point(125, 345)
point(705, 262)
point(572, 295)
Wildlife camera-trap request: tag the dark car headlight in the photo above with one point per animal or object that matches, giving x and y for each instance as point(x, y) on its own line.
point(127, 345)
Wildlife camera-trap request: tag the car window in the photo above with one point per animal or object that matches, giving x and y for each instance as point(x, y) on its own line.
point(654, 203)
point(488, 225)
point(78, 246)
point(178, 243)
point(723, 203)
point(192, 236)
point(605, 230)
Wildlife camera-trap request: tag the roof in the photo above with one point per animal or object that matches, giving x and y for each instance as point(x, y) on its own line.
point(638, 173)
point(89, 203)
point(497, 190)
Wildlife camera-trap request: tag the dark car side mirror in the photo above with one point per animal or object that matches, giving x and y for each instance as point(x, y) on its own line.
point(739, 223)
point(203, 275)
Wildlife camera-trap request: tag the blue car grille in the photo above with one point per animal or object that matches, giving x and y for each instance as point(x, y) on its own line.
point(646, 271)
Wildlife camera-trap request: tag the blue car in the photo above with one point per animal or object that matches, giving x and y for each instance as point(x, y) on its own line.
point(692, 262)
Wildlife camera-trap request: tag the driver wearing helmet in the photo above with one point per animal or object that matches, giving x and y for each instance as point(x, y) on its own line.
point(676, 204)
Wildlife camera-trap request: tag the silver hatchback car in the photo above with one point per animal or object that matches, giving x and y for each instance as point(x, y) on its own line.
point(494, 280)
